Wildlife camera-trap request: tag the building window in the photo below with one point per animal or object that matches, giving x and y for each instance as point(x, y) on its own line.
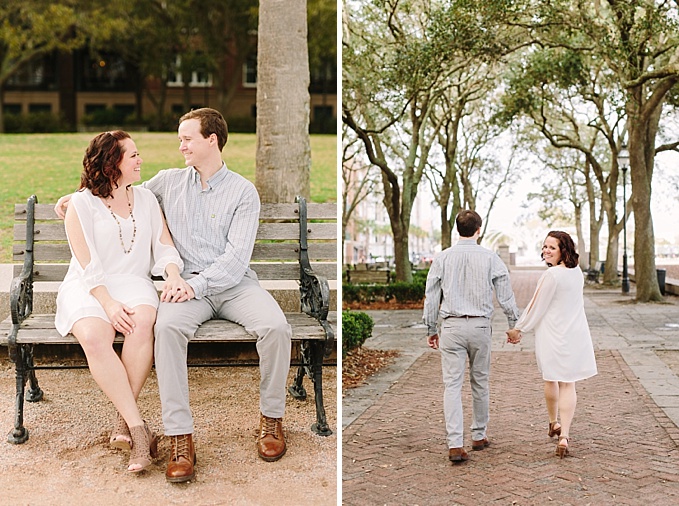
point(92, 108)
point(106, 72)
point(124, 111)
point(39, 108)
point(36, 74)
point(250, 72)
point(11, 109)
point(199, 78)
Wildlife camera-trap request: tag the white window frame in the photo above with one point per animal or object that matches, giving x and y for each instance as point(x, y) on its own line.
point(178, 81)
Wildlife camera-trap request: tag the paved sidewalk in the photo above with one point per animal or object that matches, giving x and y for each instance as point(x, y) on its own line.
point(624, 435)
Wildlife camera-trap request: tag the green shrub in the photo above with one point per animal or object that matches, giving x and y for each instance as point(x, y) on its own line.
point(35, 123)
point(401, 291)
point(356, 328)
point(406, 292)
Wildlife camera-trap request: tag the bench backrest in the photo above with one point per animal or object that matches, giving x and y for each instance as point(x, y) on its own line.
point(275, 255)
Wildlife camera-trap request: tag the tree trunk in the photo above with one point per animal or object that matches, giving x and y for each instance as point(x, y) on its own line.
point(642, 130)
point(283, 146)
point(402, 256)
point(2, 112)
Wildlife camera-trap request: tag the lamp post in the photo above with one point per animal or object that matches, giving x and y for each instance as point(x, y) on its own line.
point(623, 163)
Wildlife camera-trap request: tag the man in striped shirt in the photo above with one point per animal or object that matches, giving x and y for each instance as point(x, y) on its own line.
point(213, 215)
point(459, 290)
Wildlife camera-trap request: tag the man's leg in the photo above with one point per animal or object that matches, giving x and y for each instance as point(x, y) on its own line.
point(176, 324)
point(253, 307)
point(453, 357)
point(479, 375)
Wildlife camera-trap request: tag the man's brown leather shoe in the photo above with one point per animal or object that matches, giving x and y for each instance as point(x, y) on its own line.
point(480, 444)
point(457, 455)
point(270, 439)
point(182, 459)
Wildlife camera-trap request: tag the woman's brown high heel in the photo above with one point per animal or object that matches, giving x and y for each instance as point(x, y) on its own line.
point(553, 430)
point(562, 450)
point(144, 447)
point(120, 435)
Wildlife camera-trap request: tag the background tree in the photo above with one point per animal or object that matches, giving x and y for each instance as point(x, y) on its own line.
point(32, 29)
point(358, 182)
point(638, 40)
point(283, 147)
point(573, 104)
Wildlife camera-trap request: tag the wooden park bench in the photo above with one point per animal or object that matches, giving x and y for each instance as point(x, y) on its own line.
point(359, 276)
point(294, 242)
point(593, 273)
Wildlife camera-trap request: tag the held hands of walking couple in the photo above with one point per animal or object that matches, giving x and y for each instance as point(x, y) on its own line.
point(514, 336)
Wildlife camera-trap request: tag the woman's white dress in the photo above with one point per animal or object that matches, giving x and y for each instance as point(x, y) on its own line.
point(126, 276)
point(563, 344)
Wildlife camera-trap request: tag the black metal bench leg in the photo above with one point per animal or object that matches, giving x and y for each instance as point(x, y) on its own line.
point(19, 434)
point(297, 389)
point(34, 393)
point(317, 351)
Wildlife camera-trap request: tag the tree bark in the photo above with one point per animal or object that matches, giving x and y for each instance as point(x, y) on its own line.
point(642, 131)
point(283, 145)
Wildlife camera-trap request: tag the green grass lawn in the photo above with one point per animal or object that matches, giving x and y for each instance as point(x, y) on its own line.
point(49, 166)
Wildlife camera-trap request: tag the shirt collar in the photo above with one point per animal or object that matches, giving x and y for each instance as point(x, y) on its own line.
point(469, 240)
point(216, 178)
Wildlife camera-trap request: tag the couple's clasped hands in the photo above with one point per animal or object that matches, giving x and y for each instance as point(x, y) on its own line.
point(513, 336)
point(176, 289)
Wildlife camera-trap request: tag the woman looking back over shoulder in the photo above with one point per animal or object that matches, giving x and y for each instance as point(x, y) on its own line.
point(563, 344)
point(118, 238)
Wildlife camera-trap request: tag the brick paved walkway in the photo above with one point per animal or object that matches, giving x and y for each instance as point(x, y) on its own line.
point(623, 447)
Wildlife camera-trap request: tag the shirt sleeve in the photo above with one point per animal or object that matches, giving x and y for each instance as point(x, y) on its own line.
point(539, 304)
point(92, 275)
point(156, 185)
point(163, 254)
point(229, 268)
point(432, 298)
point(504, 292)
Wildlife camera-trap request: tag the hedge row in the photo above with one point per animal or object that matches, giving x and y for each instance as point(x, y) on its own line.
point(401, 291)
point(356, 328)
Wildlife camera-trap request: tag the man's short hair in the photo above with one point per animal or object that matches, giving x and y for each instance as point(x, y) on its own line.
point(468, 222)
point(211, 122)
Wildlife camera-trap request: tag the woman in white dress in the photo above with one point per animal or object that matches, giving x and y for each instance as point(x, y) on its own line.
point(118, 238)
point(563, 344)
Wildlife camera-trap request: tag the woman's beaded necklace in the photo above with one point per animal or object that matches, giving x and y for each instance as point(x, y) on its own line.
point(120, 228)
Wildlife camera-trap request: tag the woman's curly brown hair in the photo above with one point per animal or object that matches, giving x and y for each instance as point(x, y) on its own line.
point(569, 257)
point(100, 165)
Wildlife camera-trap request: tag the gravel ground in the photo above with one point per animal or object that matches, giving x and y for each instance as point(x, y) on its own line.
point(67, 459)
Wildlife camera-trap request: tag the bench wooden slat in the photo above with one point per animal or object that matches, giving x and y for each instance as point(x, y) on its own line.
point(262, 251)
point(267, 231)
point(290, 251)
point(365, 276)
point(39, 329)
point(265, 271)
point(43, 252)
point(290, 231)
point(268, 212)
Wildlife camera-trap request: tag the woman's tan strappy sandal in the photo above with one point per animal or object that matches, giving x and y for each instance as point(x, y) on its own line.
point(562, 450)
point(120, 435)
point(144, 447)
point(554, 430)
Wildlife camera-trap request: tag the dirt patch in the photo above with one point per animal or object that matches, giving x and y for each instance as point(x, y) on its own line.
point(67, 459)
point(361, 363)
point(381, 305)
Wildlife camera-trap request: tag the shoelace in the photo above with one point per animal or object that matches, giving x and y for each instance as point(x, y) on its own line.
point(180, 447)
point(269, 427)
